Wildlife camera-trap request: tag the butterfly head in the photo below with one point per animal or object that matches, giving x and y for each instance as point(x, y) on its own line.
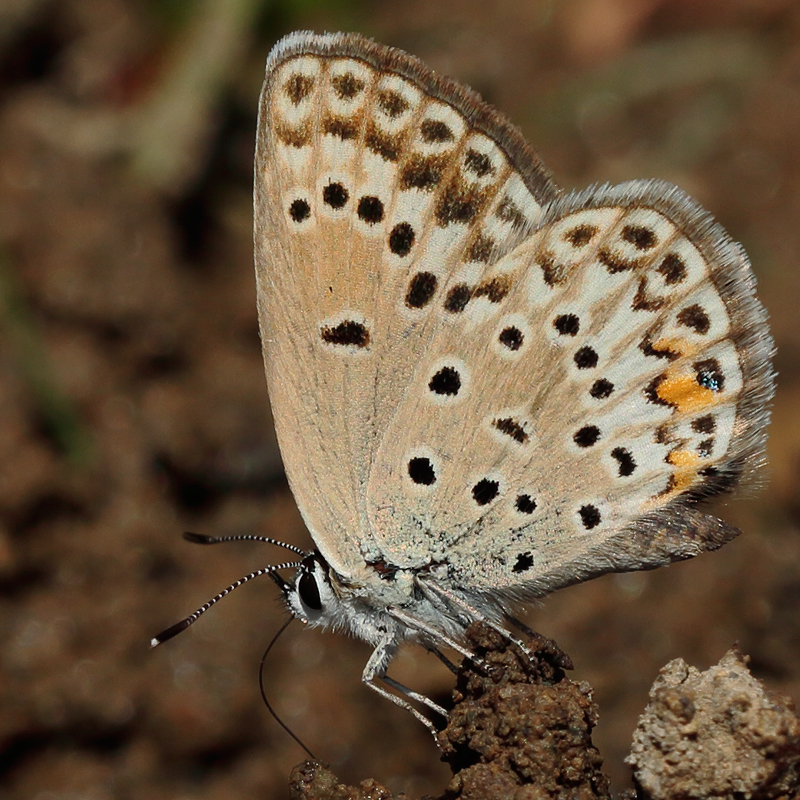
point(363, 605)
point(310, 595)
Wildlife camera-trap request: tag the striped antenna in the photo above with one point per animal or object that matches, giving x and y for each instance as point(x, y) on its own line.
point(192, 618)
point(199, 538)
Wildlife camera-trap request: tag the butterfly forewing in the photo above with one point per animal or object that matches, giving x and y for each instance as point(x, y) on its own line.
point(377, 185)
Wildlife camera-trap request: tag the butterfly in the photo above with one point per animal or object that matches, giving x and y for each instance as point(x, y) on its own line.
point(484, 389)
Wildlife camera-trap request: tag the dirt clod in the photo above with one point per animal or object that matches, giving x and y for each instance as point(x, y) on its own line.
point(716, 733)
point(518, 729)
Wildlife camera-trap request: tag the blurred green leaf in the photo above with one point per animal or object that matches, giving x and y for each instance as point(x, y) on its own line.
point(56, 409)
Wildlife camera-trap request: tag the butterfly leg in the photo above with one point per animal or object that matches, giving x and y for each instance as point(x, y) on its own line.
point(443, 658)
point(435, 593)
point(434, 634)
point(410, 693)
point(519, 624)
point(375, 670)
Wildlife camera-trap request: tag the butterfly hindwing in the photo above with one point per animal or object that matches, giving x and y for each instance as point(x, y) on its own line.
point(564, 426)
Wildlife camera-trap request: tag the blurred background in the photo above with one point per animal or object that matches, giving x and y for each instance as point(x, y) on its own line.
point(133, 404)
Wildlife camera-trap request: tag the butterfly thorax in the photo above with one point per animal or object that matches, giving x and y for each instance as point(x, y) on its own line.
point(370, 606)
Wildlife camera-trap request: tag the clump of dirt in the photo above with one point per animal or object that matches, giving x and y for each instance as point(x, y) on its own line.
point(520, 722)
point(519, 728)
point(716, 733)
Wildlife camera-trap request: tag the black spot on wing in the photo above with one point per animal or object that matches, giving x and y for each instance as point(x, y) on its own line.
point(392, 103)
point(511, 428)
point(299, 210)
point(586, 436)
point(347, 86)
point(601, 389)
point(335, 195)
point(459, 204)
point(567, 324)
point(421, 471)
point(695, 317)
point(435, 131)
point(581, 235)
point(494, 289)
point(525, 504)
point(614, 263)
point(401, 238)
point(640, 236)
point(457, 298)
point(370, 210)
point(553, 274)
point(590, 516)
point(480, 249)
point(422, 172)
point(343, 128)
point(524, 562)
point(586, 358)
point(298, 87)
point(485, 490)
point(704, 424)
point(346, 333)
point(511, 337)
point(421, 290)
point(478, 164)
point(709, 374)
point(509, 211)
point(447, 382)
point(672, 268)
point(625, 462)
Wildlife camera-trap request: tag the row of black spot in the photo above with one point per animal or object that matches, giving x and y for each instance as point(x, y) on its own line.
point(422, 472)
point(672, 267)
point(589, 435)
point(422, 287)
point(370, 210)
point(347, 86)
point(584, 357)
point(641, 237)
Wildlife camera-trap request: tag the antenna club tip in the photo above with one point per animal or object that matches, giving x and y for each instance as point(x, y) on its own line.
point(198, 538)
point(173, 631)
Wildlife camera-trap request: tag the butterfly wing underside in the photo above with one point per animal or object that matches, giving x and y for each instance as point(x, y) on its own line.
point(466, 369)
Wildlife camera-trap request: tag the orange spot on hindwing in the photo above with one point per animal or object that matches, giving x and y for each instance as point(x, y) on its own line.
point(684, 393)
point(687, 466)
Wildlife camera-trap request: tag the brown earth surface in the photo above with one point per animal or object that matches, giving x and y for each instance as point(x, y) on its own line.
point(133, 404)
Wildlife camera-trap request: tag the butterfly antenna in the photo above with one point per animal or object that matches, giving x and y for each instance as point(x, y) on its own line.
point(264, 695)
point(199, 538)
point(192, 618)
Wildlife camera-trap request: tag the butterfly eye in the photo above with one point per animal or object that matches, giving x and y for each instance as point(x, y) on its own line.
point(309, 592)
